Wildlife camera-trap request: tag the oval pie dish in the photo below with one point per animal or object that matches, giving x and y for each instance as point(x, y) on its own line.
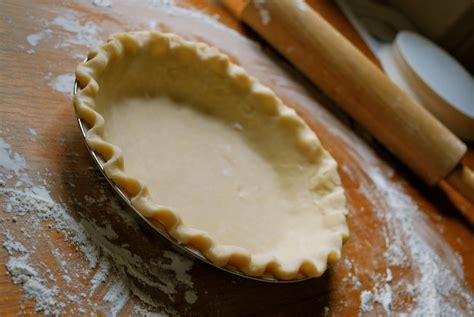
point(212, 156)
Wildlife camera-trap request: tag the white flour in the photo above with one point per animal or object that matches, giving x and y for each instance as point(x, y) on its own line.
point(13, 246)
point(366, 300)
point(33, 132)
point(74, 32)
point(115, 272)
point(9, 160)
point(63, 83)
point(190, 297)
point(438, 288)
point(102, 3)
point(382, 296)
point(264, 14)
point(70, 29)
point(35, 39)
point(34, 286)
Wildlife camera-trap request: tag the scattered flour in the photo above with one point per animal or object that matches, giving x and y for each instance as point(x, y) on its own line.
point(35, 39)
point(100, 276)
point(75, 32)
point(9, 160)
point(190, 297)
point(160, 3)
point(435, 285)
point(63, 83)
point(438, 287)
point(351, 278)
point(382, 296)
point(145, 313)
point(115, 273)
point(70, 30)
point(237, 126)
point(180, 265)
point(117, 295)
point(33, 132)
point(389, 276)
point(13, 246)
point(366, 301)
point(264, 14)
point(27, 50)
point(152, 25)
point(102, 3)
point(34, 286)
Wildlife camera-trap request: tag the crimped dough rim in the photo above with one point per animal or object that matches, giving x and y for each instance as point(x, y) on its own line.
point(221, 255)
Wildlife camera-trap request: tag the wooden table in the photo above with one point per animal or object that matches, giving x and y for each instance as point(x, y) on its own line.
point(409, 248)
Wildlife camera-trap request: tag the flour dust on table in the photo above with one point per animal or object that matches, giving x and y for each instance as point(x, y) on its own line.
point(438, 287)
point(53, 274)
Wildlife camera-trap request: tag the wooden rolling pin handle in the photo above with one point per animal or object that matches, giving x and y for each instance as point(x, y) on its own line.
point(362, 90)
point(462, 179)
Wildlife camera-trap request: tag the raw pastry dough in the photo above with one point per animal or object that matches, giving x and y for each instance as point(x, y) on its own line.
point(212, 155)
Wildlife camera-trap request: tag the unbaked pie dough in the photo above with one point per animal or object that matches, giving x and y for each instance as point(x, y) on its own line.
point(212, 155)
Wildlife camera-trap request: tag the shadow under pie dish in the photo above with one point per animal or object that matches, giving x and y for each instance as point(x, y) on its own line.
point(211, 155)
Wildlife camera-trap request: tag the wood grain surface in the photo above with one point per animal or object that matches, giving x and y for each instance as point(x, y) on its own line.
point(373, 179)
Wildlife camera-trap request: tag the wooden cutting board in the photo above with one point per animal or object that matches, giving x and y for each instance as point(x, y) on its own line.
point(409, 245)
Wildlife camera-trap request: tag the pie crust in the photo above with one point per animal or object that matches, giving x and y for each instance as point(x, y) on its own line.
point(213, 156)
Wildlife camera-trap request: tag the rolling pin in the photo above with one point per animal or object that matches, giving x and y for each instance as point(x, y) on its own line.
point(326, 57)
